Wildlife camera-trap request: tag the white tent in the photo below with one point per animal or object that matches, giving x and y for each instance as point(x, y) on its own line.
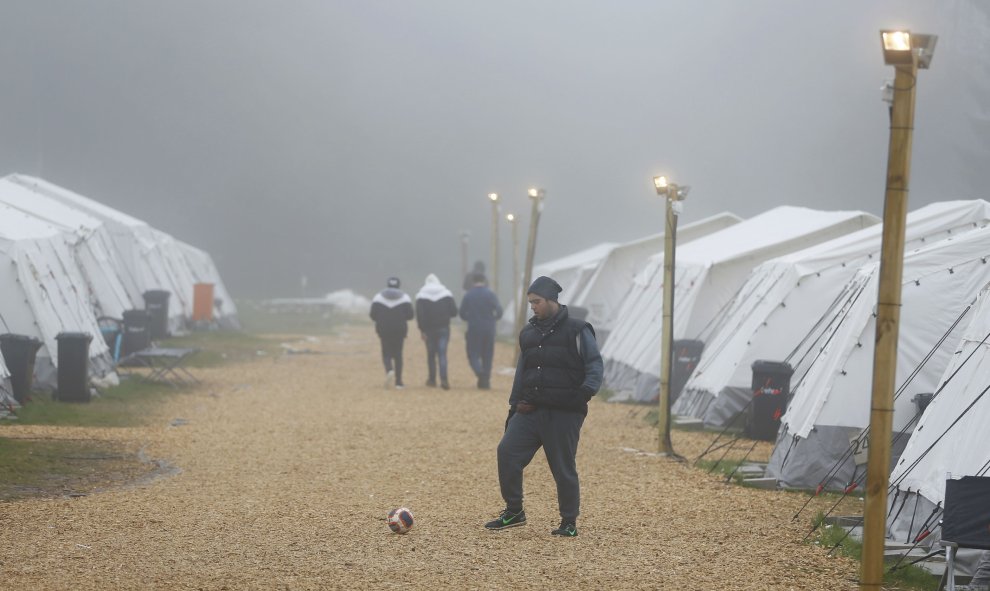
point(6, 391)
point(203, 270)
point(153, 259)
point(43, 293)
point(782, 301)
point(952, 437)
point(87, 239)
point(831, 398)
point(572, 272)
point(709, 273)
point(602, 293)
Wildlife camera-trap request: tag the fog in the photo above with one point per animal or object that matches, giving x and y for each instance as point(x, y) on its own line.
point(348, 141)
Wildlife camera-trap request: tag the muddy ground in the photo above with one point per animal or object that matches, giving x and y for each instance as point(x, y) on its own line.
point(278, 474)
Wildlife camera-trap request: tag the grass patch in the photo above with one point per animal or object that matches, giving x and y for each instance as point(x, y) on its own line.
point(905, 577)
point(260, 318)
point(219, 347)
point(52, 467)
point(724, 467)
point(126, 405)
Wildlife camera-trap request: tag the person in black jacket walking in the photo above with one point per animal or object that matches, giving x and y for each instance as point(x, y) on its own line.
point(559, 370)
point(391, 310)
point(481, 309)
point(434, 308)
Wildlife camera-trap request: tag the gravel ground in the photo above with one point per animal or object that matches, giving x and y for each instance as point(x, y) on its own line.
point(287, 467)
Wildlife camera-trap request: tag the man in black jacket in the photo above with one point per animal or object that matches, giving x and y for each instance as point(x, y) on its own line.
point(391, 309)
point(559, 370)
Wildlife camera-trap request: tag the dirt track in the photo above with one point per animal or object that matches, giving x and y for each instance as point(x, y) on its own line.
point(289, 466)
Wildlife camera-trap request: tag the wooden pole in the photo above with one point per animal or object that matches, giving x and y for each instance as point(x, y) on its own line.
point(495, 220)
point(464, 254)
point(888, 319)
point(667, 333)
point(534, 222)
point(515, 260)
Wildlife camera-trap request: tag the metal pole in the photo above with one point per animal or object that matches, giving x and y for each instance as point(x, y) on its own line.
point(534, 222)
point(667, 334)
point(888, 319)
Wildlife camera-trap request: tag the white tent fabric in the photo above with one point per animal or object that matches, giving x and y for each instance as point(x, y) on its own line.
point(604, 290)
point(573, 271)
point(951, 437)
point(43, 293)
point(203, 270)
point(831, 399)
point(709, 271)
point(153, 259)
point(6, 391)
point(782, 301)
point(86, 237)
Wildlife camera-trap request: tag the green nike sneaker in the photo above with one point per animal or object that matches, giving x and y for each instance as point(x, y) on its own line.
point(567, 529)
point(506, 520)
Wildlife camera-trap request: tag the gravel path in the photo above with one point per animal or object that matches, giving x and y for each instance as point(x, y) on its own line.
point(289, 465)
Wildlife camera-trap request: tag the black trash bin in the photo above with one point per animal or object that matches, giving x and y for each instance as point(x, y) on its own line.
point(687, 353)
point(771, 389)
point(19, 352)
point(156, 303)
point(73, 366)
point(137, 332)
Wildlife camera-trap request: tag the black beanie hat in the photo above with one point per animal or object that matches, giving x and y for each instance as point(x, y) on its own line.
point(393, 282)
point(545, 287)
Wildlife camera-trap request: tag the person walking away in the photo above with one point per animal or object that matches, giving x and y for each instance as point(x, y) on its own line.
point(477, 269)
point(559, 370)
point(481, 309)
point(391, 310)
point(434, 308)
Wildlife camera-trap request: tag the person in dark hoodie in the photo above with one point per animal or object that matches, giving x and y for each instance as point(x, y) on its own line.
point(559, 370)
point(481, 309)
point(434, 308)
point(391, 310)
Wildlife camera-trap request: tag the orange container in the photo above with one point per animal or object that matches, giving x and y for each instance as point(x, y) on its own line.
point(202, 302)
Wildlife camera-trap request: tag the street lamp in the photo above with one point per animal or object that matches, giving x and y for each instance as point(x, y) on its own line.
point(514, 221)
point(536, 196)
point(673, 196)
point(493, 197)
point(907, 53)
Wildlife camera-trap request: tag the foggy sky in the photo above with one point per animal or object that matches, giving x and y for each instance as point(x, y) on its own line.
point(348, 141)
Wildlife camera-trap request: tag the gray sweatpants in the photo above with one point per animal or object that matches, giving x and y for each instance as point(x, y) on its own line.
point(557, 431)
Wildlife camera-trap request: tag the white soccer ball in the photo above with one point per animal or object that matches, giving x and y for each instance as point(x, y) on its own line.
point(400, 520)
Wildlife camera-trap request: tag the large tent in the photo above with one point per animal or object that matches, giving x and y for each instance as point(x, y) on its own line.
point(43, 293)
point(153, 259)
point(602, 293)
point(782, 301)
point(951, 438)
point(573, 271)
point(709, 271)
point(830, 408)
point(87, 239)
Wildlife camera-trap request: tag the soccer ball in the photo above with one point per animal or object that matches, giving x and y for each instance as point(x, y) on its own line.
point(400, 520)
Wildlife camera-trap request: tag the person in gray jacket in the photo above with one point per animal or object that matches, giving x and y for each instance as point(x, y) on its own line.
point(559, 370)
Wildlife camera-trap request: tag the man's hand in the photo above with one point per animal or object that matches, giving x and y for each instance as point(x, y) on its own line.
point(524, 408)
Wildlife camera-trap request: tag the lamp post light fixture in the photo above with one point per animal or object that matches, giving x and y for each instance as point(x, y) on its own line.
point(908, 53)
point(493, 197)
point(514, 222)
point(536, 196)
point(673, 196)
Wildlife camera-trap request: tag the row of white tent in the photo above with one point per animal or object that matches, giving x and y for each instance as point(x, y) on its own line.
point(67, 260)
point(800, 286)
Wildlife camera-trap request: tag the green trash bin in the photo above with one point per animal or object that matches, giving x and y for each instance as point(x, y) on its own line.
point(19, 352)
point(73, 367)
